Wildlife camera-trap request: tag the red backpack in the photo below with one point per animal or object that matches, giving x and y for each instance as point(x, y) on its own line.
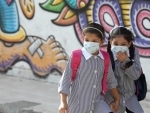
point(76, 59)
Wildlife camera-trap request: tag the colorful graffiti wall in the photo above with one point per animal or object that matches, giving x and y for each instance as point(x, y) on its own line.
point(134, 14)
point(43, 33)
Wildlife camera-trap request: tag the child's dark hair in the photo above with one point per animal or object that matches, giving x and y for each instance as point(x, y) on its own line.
point(128, 35)
point(94, 28)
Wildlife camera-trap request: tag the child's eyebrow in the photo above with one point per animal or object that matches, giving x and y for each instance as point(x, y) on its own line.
point(115, 42)
point(123, 42)
point(94, 40)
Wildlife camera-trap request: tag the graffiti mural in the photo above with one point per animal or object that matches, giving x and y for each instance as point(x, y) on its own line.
point(43, 56)
point(28, 8)
point(10, 29)
point(134, 14)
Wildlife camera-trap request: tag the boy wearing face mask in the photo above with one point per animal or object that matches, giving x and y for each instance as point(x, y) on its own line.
point(127, 68)
point(83, 95)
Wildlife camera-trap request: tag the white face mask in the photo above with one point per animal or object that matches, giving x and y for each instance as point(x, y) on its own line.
point(91, 47)
point(116, 49)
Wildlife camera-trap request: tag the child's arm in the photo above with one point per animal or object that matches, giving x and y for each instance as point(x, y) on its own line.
point(112, 86)
point(63, 108)
point(64, 88)
point(134, 71)
point(115, 94)
point(115, 104)
point(65, 81)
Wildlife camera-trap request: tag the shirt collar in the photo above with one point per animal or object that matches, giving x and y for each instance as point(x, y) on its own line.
point(88, 55)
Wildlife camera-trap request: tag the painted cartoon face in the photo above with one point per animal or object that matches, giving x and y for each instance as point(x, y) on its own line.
point(77, 4)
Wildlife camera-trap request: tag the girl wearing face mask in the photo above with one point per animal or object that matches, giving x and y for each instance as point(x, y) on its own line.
point(85, 96)
point(127, 68)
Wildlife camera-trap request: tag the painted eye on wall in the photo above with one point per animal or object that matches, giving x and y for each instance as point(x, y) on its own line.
point(143, 22)
point(108, 14)
point(140, 16)
point(108, 18)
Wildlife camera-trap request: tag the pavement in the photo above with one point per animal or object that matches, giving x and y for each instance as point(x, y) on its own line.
point(21, 95)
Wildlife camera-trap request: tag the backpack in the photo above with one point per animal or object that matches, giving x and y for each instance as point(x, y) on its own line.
point(141, 87)
point(76, 59)
point(140, 83)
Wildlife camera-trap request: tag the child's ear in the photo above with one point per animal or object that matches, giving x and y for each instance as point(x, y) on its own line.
point(130, 44)
point(102, 42)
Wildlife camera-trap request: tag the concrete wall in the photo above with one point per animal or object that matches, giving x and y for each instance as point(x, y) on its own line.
point(37, 36)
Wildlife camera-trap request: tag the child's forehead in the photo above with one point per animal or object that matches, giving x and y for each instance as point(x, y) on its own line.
point(91, 36)
point(119, 38)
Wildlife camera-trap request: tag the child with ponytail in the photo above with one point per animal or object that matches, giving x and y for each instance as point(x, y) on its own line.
point(127, 68)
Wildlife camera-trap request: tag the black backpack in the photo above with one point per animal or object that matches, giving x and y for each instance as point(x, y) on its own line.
point(141, 85)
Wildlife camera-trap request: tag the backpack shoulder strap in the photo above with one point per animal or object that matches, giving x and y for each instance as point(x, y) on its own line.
point(76, 58)
point(112, 60)
point(106, 66)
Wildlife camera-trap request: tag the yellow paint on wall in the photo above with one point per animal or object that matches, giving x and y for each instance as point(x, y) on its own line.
point(69, 14)
point(82, 4)
point(55, 2)
point(125, 11)
point(126, 17)
point(126, 6)
point(125, 1)
point(13, 37)
point(89, 19)
point(127, 22)
point(89, 11)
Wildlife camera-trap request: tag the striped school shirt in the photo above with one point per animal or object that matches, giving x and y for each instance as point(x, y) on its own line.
point(126, 85)
point(84, 92)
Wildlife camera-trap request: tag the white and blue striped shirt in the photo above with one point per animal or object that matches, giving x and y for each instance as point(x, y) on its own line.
point(84, 92)
point(126, 85)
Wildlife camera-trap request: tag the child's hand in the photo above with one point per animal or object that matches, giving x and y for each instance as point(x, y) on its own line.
point(63, 108)
point(122, 56)
point(114, 106)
